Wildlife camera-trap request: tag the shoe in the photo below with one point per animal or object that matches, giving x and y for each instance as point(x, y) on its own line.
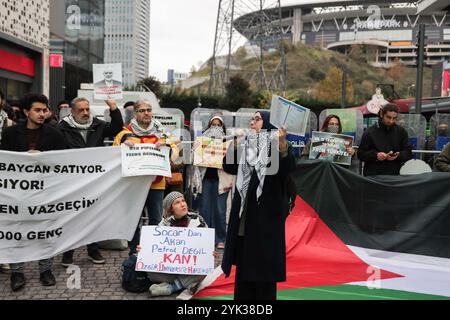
point(162, 289)
point(5, 268)
point(67, 259)
point(96, 257)
point(193, 288)
point(17, 281)
point(221, 245)
point(47, 279)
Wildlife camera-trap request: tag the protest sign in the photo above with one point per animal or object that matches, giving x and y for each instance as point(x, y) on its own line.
point(145, 160)
point(108, 81)
point(171, 122)
point(52, 202)
point(209, 152)
point(331, 147)
point(284, 113)
point(174, 250)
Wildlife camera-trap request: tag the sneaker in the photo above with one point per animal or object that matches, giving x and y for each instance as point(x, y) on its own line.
point(67, 259)
point(47, 279)
point(17, 281)
point(221, 245)
point(96, 257)
point(162, 289)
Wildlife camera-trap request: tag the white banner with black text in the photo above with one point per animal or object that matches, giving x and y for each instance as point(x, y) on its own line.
point(52, 202)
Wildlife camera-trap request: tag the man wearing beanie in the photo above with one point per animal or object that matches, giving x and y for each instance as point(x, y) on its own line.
point(176, 214)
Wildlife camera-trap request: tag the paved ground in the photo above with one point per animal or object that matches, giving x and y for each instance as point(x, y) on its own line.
point(98, 282)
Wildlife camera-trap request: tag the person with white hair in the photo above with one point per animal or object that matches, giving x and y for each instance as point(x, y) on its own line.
point(144, 129)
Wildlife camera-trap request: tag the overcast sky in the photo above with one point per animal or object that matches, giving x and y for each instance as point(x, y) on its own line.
point(181, 35)
point(182, 32)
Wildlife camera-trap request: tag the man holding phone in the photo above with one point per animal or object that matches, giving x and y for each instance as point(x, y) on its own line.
point(385, 146)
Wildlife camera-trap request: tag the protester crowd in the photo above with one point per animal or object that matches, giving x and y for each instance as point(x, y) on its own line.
point(253, 236)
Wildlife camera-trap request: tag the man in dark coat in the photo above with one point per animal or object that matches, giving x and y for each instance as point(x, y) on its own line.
point(33, 136)
point(256, 230)
point(385, 146)
point(82, 130)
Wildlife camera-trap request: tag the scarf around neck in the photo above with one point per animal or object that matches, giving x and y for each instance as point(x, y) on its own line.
point(82, 128)
point(256, 156)
point(3, 118)
point(71, 122)
point(214, 132)
point(155, 128)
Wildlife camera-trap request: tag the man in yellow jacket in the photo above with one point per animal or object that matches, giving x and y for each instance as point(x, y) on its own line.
point(144, 129)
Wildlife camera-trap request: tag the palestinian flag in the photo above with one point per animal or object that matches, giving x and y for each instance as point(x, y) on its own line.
point(356, 238)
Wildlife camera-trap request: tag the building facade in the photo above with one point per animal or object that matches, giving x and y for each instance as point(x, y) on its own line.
point(175, 78)
point(24, 47)
point(127, 37)
point(386, 30)
point(433, 5)
point(77, 33)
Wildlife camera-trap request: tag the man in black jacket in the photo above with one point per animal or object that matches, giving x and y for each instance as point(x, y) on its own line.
point(82, 130)
point(32, 136)
point(385, 146)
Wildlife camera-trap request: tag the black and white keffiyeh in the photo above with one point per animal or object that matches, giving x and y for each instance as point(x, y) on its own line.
point(82, 128)
point(256, 156)
point(155, 128)
point(3, 121)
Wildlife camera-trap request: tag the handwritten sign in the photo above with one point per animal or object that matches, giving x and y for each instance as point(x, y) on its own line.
point(209, 152)
point(173, 250)
point(145, 160)
point(331, 147)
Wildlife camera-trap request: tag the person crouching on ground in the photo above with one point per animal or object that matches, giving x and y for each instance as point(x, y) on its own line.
point(176, 214)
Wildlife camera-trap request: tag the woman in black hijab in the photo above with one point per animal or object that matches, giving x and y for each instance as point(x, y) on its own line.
point(256, 230)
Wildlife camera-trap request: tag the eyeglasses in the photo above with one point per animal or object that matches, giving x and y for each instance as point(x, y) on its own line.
point(255, 119)
point(144, 110)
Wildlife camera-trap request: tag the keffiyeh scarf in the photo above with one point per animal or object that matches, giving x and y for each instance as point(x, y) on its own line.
point(256, 156)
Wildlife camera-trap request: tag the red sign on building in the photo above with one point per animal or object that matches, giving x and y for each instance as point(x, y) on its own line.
point(56, 60)
point(17, 63)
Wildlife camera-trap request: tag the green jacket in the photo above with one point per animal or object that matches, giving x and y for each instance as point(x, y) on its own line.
point(442, 162)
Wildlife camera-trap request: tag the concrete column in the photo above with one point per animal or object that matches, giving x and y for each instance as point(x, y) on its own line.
point(297, 27)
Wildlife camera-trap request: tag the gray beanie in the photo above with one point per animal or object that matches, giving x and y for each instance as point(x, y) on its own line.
point(169, 199)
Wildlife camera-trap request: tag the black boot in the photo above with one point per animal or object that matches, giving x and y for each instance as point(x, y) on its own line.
point(17, 281)
point(47, 279)
point(67, 259)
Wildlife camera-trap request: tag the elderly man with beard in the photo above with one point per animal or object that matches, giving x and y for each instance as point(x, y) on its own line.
point(82, 130)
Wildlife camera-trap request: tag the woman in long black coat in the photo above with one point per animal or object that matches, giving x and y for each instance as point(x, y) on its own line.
point(256, 230)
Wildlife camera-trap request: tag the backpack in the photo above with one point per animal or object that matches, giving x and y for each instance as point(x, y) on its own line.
point(132, 280)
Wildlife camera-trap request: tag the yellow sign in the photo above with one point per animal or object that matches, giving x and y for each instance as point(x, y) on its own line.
point(210, 152)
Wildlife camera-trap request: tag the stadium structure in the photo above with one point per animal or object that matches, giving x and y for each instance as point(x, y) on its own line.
point(386, 30)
